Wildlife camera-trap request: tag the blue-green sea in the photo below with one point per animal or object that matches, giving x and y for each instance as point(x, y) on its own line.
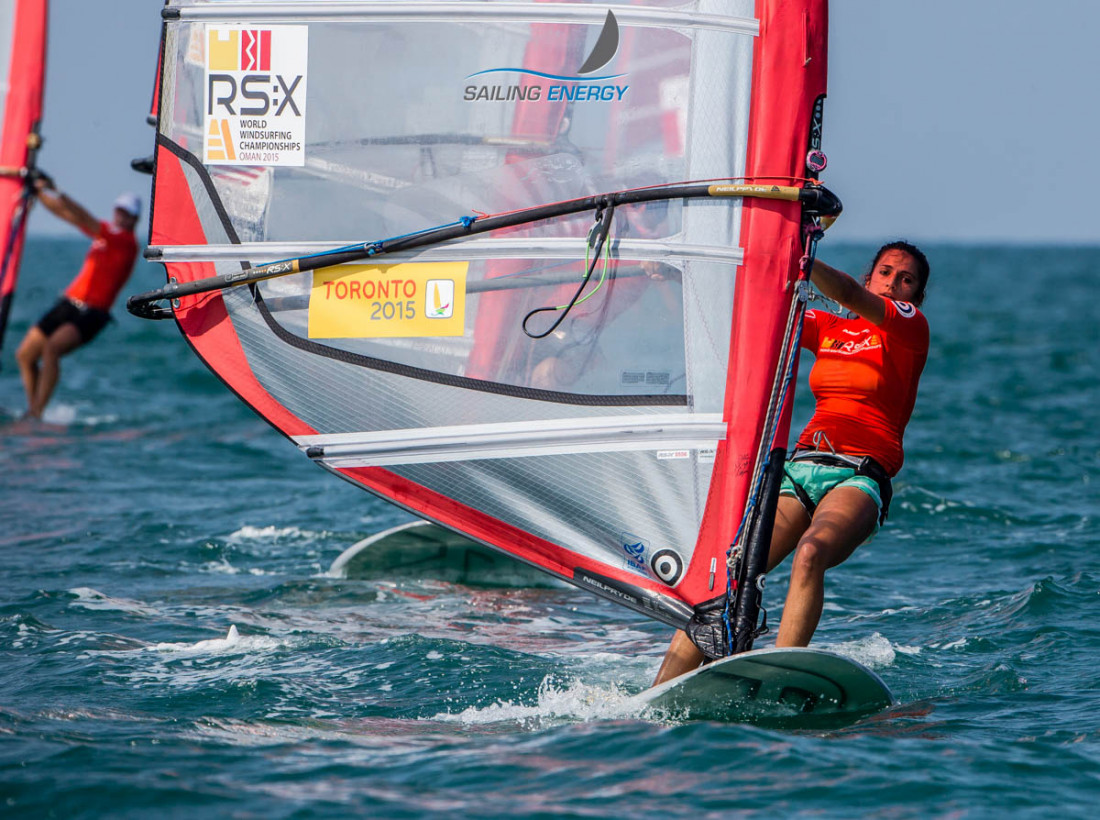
point(171, 646)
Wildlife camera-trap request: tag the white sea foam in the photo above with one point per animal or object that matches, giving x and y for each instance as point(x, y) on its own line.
point(58, 413)
point(572, 700)
point(874, 651)
point(269, 533)
point(232, 643)
point(223, 567)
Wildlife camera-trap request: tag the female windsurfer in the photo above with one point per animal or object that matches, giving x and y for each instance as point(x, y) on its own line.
point(83, 309)
point(836, 488)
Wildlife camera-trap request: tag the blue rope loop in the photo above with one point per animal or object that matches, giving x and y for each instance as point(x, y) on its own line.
point(813, 233)
point(379, 245)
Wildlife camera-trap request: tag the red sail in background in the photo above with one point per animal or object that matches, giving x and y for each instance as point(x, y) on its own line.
point(18, 144)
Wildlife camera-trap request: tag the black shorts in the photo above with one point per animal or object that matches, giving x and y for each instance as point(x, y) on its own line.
point(88, 321)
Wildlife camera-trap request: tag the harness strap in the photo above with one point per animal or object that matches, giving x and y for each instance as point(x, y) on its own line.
point(803, 496)
point(864, 466)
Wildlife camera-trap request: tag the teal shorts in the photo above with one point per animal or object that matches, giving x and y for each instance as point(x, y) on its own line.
point(818, 479)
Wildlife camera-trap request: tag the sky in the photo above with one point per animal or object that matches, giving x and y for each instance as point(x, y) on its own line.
point(946, 120)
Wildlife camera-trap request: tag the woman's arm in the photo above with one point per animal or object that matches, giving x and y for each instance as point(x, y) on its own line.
point(842, 288)
point(64, 208)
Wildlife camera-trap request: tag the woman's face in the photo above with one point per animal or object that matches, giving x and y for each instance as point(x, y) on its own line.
point(895, 277)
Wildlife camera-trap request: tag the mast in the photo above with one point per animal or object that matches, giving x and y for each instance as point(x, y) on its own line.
point(789, 84)
point(22, 84)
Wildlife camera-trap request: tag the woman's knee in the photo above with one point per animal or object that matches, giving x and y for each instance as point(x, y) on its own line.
point(28, 352)
point(810, 558)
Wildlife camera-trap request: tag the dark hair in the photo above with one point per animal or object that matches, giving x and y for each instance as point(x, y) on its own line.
point(918, 256)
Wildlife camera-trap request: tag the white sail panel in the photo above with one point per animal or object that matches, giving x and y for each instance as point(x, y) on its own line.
point(585, 437)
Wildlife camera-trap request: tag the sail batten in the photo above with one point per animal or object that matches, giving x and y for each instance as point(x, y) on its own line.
point(473, 248)
point(457, 10)
point(672, 435)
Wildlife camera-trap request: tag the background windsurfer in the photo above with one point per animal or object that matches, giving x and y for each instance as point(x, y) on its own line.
point(84, 308)
point(836, 491)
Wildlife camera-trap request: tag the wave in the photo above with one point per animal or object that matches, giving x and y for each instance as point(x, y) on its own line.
point(88, 598)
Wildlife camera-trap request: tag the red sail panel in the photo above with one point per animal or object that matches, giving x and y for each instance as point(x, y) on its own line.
point(22, 115)
point(789, 74)
point(203, 319)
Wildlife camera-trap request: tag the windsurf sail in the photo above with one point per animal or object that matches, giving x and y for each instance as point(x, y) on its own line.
point(448, 250)
point(23, 63)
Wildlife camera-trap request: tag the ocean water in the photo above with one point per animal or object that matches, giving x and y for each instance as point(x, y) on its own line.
point(171, 646)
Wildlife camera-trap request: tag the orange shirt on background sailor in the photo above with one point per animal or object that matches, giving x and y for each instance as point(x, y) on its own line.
point(106, 268)
point(865, 381)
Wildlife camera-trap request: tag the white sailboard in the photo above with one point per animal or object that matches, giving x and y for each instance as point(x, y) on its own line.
point(798, 687)
point(530, 270)
point(422, 551)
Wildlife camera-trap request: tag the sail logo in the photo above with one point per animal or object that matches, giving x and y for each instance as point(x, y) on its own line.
point(255, 95)
point(635, 549)
point(407, 300)
point(668, 566)
point(440, 299)
point(582, 86)
point(240, 50)
point(219, 142)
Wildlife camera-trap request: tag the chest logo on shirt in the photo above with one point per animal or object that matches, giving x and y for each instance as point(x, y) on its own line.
point(849, 347)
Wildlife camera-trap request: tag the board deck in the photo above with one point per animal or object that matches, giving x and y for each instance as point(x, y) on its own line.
point(423, 551)
point(796, 688)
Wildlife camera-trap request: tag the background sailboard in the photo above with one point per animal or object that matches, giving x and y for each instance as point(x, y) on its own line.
point(422, 551)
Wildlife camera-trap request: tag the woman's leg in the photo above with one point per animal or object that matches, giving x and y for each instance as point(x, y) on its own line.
point(844, 519)
point(27, 356)
point(61, 342)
